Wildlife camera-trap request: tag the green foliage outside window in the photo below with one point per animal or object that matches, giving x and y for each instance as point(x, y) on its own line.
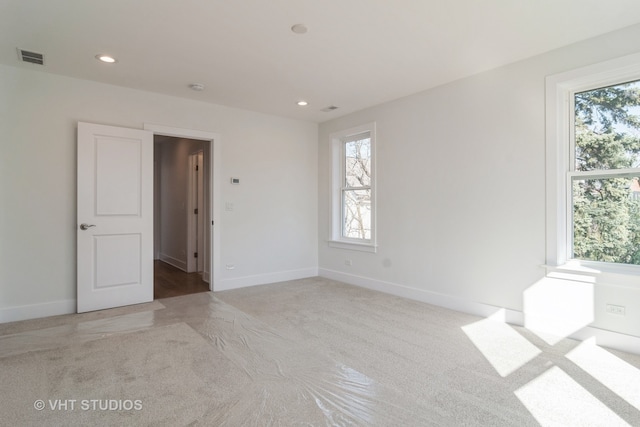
point(606, 209)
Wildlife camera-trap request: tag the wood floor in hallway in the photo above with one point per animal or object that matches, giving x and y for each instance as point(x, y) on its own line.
point(170, 281)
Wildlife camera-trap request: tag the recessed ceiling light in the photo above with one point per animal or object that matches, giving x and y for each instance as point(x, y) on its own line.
point(299, 29)
point(106, 58)
point(303, 103)
point(198, 87)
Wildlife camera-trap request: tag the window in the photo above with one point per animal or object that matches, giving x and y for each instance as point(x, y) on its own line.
point(593, 167)
point(356, 187)
point(353, 207)
point(606, 149)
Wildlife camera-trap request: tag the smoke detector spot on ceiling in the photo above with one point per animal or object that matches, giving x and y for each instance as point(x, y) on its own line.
point(299, 29)
point(329, 108)
point(198, 87)
point(31, 57)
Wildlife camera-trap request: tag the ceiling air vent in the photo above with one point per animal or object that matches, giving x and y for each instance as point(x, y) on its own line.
point(32, 57)
point(329, 108)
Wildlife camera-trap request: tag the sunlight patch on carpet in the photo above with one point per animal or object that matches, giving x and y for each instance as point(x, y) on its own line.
point(555, 399)
point(504, 348)
point(616, 374)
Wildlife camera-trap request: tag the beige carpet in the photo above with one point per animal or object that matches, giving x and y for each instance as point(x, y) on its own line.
point(162, 376)
point(307, 352)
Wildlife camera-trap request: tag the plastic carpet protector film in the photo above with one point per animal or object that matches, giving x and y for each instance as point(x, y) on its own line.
point(290, 382)
point(294, 385)
point(75, 333)
point(319, 354)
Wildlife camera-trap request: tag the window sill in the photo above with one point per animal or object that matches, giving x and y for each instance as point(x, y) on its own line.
point(362, 247)
point(601, 272)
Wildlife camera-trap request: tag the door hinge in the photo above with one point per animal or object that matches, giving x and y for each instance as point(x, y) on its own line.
point(195, 254)
point(197, 167)
point(195, 211)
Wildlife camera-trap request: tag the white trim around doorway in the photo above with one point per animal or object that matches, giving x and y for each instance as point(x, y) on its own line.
point(213, 277)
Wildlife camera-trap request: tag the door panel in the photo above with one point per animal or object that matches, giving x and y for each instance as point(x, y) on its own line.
point(118, 179)
point(115, 201)
point(117, 260)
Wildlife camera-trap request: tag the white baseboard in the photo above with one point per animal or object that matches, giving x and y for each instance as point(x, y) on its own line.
point(35, 311)
point(441, 300)
point(264, 279)
point(603, 337)
point(177, 263)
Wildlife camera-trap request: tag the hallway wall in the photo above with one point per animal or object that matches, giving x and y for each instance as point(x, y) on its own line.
point(172, 157)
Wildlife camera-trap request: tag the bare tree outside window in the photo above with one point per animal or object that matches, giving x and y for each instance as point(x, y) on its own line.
point(356, 190)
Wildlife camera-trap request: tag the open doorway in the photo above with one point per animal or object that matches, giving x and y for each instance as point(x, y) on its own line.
point(181, 216)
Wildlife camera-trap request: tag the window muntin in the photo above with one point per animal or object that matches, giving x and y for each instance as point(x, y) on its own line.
point(603, 178)
point(356, 190)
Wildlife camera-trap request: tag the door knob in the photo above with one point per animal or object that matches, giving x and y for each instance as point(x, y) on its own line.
point(86, 226)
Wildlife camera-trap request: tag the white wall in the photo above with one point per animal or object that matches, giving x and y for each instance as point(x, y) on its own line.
point(461, 189)
point(270, 235)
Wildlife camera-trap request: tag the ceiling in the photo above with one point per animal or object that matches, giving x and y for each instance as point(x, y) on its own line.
point(356, 53)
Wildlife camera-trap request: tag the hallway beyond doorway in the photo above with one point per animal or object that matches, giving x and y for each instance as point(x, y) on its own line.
point(169, 281)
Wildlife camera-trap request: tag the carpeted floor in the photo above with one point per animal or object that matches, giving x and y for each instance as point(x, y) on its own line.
point(306, 352)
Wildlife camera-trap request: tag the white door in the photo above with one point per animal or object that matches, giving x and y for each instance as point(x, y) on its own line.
point(115, 217)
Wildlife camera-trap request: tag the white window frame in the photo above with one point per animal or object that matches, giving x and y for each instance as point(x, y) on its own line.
point(337, 240)
point(560, 91)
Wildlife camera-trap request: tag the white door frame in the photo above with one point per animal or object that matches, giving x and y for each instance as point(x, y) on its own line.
point(215, 168)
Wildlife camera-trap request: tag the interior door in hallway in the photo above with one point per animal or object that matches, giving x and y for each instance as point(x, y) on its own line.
point(197, 212)
point(115, 217)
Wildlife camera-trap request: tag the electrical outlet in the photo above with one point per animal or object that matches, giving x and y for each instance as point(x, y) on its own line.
point(618, 310)
point(348, 262)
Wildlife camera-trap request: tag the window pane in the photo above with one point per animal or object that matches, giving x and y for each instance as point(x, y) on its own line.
point(357, 214)
point(607, 127)
point(606, 220)
point(358, 163)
